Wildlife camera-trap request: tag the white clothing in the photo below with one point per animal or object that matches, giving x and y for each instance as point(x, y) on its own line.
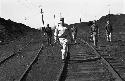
point(63, 41)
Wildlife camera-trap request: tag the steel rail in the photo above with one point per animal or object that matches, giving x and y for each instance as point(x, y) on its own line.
point(2, 60)
point(114, 73)
point(30, 65)
point(111, 69)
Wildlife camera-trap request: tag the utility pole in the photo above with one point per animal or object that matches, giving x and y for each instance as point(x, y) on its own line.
point(109, 18)
point(80, 20)
point(109, 13)
point(42, 17)
point(54, 21)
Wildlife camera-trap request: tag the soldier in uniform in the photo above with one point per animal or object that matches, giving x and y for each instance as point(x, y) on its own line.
point(74, 33)
point(56, 34)
point(63, 36)
point(44, 31)
point(94, 32)
point(109, 29)
point(49, 34)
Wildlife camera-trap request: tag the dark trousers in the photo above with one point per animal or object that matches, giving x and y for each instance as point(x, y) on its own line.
point(49, 39)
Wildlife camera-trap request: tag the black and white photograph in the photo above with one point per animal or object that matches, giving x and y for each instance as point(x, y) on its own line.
point(62, 40)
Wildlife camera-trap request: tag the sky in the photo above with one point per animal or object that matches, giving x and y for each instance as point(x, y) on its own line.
point(28, 11)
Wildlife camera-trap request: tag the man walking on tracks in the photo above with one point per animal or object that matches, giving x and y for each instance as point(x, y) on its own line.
point(74, 33)
point(49, 34)
point(94, 32)
point(56, 34)
point(44, 31)
point(109, 29)
point(63, 34)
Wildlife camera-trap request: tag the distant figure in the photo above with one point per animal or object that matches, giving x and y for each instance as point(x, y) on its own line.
point(56, 34)
point(74, 33)
point(109, 29)
point(94, 32)
point(49, 34)
point(44, 30)
point(62, 32)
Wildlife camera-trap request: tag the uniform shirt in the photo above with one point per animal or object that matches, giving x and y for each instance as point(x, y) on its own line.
point(108, 27)
point(94, 28)
point(61, 30)
point(64, 32)
point(49, 31)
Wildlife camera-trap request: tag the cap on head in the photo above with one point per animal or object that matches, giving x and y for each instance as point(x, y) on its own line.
point(62, 21)
point(47, 25)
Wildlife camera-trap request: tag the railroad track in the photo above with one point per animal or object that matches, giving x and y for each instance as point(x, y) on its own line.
point(84, 63)
point(113, 52)
point(15, 51)
point(15, 47)
point(15, 66)
point(24, 74)
point(2, 60)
